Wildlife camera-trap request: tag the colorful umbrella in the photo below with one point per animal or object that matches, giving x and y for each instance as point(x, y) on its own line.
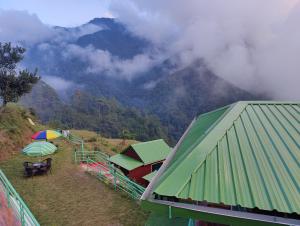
point(39, 148)
point(46, 135)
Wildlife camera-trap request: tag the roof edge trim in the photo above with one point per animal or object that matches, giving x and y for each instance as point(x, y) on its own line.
point(216, 215)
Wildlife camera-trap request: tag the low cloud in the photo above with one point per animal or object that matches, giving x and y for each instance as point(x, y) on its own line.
point(27, 29)
point(20, 26)
point(72, 34)
point(102, 62)
point(253, 44)
point(57, 83)
point(52, 43)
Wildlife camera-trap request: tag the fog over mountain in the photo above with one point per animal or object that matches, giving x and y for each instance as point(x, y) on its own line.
point(253, 44)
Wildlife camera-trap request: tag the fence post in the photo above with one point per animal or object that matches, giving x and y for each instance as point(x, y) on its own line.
point(22, 215)
point(82, 146)
point(115, 182)
point(7, 196)
point(83, 152)
point(75, 155)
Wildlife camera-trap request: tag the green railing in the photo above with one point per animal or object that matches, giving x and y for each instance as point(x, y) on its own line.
point(99, 165)
point(74, 139)
point(111, 175)
point(15, 202)
point(82, 156)
point(104, 170)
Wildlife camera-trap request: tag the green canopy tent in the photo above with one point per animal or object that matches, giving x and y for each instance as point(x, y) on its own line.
point(38, 149)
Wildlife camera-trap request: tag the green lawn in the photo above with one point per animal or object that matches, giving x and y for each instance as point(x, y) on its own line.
point(109, 146)
point(69, 196)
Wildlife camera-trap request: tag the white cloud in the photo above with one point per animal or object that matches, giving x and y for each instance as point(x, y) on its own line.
point(20, 26)
point(102, 62)
point(253, 44)
point(71, 34)
point(57, 83)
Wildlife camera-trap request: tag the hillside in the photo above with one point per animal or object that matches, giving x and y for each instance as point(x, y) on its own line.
point(93, 141)
point(15, 130)
point(84, 111)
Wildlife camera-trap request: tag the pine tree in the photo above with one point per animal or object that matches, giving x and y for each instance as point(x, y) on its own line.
point(14, 83)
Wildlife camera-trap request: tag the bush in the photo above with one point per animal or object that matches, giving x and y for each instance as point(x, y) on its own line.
point(92, 139)
point(114, 149)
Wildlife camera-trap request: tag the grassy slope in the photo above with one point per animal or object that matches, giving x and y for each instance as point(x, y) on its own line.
point(15, 130)
point(110, 146)
point(69, 196)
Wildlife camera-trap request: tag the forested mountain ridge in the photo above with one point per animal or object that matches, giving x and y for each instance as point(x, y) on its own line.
point(92, 63)
point(83, 111)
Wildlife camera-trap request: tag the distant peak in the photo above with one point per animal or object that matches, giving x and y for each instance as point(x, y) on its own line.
point(102, 20)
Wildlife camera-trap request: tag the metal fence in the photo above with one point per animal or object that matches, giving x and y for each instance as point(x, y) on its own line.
point(15, 202)
point(98, 164)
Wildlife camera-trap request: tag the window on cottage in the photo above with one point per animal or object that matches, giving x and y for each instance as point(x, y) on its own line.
point(156, 166)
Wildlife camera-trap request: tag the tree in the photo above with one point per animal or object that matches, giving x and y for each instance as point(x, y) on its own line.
point(14, 83)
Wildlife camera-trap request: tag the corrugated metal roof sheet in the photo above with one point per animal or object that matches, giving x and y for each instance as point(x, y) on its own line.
point(125, 161)
point(152, 151)
point(250, 156)
point(149, 176)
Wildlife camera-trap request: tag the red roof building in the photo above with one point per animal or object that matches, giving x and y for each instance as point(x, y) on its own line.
point(139, 160)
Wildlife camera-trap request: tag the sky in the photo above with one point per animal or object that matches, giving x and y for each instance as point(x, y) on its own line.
point(66, 13)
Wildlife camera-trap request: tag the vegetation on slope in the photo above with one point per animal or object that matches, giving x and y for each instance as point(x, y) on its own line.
point(106, 116)
point(15, 129)
point(94, 141)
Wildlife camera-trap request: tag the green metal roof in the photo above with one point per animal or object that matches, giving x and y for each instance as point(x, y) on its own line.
point(149, 176)
point(151, 151)
point(249, 155)
point(125, 161)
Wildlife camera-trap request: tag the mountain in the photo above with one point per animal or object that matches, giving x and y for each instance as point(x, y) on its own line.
point(186, 93)
point(114, 38)
point(169, 95)
point(83, 111)
point(44, 101)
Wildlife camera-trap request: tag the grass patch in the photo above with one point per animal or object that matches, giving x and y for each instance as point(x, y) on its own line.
point(69, 196)
point(109, 146)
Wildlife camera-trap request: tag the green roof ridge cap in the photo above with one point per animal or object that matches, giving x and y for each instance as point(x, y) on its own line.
point(142, 143)
point(269, 102)
point(218, 109)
